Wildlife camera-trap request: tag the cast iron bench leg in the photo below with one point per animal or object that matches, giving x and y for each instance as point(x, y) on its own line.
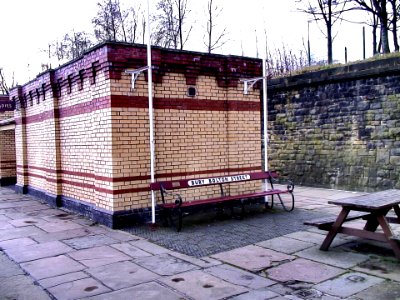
point(334, 230)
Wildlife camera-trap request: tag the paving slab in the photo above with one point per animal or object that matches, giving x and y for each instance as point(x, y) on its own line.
point(52, 266)
point(239, 277)
point(130, 250)
point(121, 236)
point(310, 294)
point(78, 289)
point(14, 233)
point(334, 257)
point(32, 208)
point(145, 291)
point(99, 256)
point(5, 225)
point(204, 262)
point(61, 235)
point(385, 268)
point(200, 285)
point(27, 221)
point(348, 284)
point(90, 241)
point(385, 290)
point(57, 226)
point(4, 218)
point(8, 267)
point(285, 245)
point(165, 264)
point(16, 203)
point(315, 238)
point(21, 242)
point(122, 275)
point(57, 280)
point(21, 287)
point(261, 294)
point(303, 270)
point(37, 251)
point(149, 247)
point(252, 258)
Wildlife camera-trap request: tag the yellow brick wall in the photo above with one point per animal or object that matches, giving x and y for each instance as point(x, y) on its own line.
point(91, 142)
point(187, 141)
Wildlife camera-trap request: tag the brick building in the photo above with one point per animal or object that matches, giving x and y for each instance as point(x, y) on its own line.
point(7, 144)
point(82, 132)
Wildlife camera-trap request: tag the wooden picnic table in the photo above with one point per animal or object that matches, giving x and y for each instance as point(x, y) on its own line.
point(376, 206)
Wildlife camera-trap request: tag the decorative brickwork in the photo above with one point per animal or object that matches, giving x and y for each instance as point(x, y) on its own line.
point(7, 146)
point(340, 127)
point(82, 133)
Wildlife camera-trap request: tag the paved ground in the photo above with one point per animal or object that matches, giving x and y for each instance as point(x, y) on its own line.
point(48, 253)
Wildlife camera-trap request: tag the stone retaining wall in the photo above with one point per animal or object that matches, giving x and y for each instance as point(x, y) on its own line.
point(338, 128)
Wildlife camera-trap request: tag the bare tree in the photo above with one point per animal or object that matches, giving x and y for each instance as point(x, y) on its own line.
point(213, 12)
point(171, 17)
point(131, 19)
point(4, 87)
point(378, 8)
point(108, 23)
point(113, 23)
point(283, 61)
point(329, 12)
point(395, 17)
point(72, 46)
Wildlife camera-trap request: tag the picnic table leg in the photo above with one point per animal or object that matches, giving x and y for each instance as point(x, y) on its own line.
point(334, 230)
point(372, 221)
point(388, 233)
point(397, 211)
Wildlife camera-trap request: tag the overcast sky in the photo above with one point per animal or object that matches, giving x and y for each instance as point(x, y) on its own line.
point(28, 26)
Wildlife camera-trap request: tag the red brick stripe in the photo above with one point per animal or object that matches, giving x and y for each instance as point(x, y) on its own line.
point(8, 161)
point(144, 177)
point(121, 179)
point(120, 101)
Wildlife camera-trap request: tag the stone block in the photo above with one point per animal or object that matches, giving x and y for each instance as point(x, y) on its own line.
point(303, 270)
point(252, 258)
point(200, 285)
point(348, 284)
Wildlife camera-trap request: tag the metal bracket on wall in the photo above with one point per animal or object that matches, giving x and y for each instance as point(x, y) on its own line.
point(249, 83)
point(135, 74)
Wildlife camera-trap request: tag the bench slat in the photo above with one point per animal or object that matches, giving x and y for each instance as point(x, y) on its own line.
point(226, 198)
point(183, 184)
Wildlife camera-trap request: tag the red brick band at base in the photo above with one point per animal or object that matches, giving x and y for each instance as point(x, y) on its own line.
point(122, 179)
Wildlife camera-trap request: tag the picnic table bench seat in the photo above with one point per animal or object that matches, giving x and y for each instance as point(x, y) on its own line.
point(179, 207)
point(325, 223)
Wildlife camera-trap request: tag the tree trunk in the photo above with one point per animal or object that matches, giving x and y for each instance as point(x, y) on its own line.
point(180, 20)
point(329, 34)
point(380, 7)
point(374, 39)
point(394, 21)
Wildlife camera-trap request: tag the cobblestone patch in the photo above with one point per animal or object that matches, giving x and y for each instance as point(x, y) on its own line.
point(206, 235)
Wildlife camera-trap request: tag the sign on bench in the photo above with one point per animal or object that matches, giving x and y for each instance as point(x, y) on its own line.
point(216, 180)
point(176, 207)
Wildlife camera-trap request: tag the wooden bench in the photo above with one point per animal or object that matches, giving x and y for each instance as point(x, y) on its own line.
point(178, 207)
point(326, 223)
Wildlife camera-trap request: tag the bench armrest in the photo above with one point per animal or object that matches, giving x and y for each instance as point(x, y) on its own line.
point(178, 197)
point(279, 180)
